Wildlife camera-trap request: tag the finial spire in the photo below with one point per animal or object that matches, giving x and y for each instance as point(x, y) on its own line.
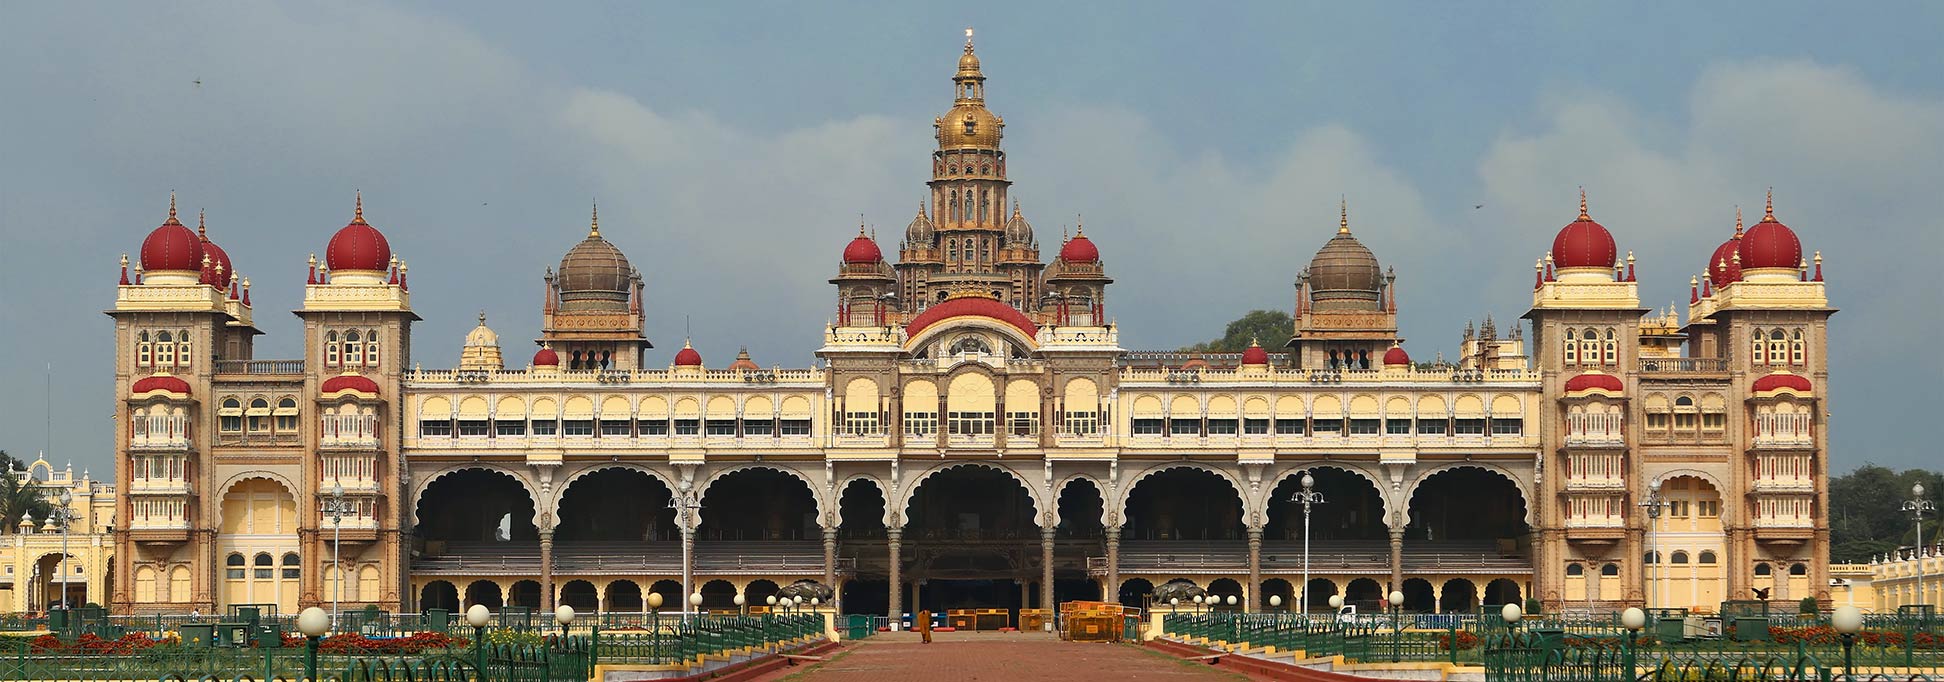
point(1738, 221)
point(357, 212)
point(968, 40)
point(1768, 212)
point(1079, 225)
point(482, 318)
point(172, 211)
point(594, 224)
point(1343, 214)
point(202, 225)
point(1583, 214)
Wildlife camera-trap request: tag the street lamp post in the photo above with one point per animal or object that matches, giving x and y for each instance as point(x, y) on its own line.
point(1916, 505)
point(1653, 504)
point(1307, 496)
point(686, 505)
point(336, 507)
point(477, 617)
point(65, 516)
point(313, 624)
point(1633, 619)
point(1848, 621)
point(1397, 627)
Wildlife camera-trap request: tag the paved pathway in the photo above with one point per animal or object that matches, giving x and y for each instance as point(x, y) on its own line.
point(997, 657)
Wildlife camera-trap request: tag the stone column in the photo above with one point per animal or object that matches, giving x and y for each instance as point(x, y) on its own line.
point(1112, 593)
point(1397, 560)
point(830, 557)
point(893, 538)
point(1250, 590)
point(546, 570)
point(1046, 568)
point(1025, 593)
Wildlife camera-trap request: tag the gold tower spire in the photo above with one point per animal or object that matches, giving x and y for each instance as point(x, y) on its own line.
point(1738, 221)
point(1343, 215)
point(202, 225)
point(594, 224)
point(1768, 212)
point(1583, 215)
point(172, 210)
point(357, 213)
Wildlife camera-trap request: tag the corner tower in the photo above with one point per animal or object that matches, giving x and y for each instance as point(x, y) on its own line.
point(966, 243)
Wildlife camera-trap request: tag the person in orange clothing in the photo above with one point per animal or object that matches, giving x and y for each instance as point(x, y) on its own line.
point(924, 623)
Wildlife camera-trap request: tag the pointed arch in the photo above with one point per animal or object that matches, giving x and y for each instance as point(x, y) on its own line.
point(1526, 496)
point(824, 514)
point(561, 487)
point(421, 485)
point(1059, 490)
point(905, 494)
point(1377, 482)
point(844, 484)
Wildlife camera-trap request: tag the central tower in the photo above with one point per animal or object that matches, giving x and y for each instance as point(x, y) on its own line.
point(969, 241)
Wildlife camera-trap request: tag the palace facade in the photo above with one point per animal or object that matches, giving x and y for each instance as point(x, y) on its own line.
point(974, 434)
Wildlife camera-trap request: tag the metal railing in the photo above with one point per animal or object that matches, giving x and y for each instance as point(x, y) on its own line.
point(259, 366)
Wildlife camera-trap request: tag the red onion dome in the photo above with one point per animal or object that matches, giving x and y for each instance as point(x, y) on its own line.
point(1770, 244)
point(546, 357)
point(1080, 249)
point(1725, 265)
point(978, 306)
point(1595, 381)
point(358, 246)
point(1584, 243)
point(219, 270)
point(688, 356)
point(159, 382)
point(1396, 356)
point(171, 247)
point(1254, 354)
point(349, 382)
point(1783, 381)
point(862, 249)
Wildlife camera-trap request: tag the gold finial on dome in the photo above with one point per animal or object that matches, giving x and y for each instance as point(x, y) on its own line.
point(482, 318)
point(594, 224)
point(1343, 215)
point(172, 212)
point(1768, 212)
point(1738, 221)
point(1583, 214)
point(202, 224)
point(357, 213)
point(968, 40)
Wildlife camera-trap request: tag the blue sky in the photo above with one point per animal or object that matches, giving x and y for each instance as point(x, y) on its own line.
point(732, 148)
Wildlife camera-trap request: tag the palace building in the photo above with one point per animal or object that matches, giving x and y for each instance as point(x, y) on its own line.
point(974, 435)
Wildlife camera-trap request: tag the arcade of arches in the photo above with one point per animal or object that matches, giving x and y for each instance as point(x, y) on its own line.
point(969, 535)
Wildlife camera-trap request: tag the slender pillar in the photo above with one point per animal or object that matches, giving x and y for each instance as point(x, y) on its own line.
point(688, 569)
point(1255, 572)
point(1025, 592)
point(830, 557)
point(894, 537)
point(546, 571)
point(1397, 560)
point(1112, 593)
point(1046, 569)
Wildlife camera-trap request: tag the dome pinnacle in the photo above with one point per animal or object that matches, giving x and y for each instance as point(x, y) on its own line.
point(594, 224)
point(1343, 215)
point(1583, 215)
point(357, 212)
point(1768, 212)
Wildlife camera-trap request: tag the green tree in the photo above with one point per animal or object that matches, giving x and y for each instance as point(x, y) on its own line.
point(1866, 515)
point(19, 496)
point(1268, 327)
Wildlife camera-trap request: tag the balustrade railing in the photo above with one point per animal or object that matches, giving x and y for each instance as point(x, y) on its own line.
point(259, 366)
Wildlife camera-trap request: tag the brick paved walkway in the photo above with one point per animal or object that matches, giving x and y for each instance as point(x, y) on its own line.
point(997, 657)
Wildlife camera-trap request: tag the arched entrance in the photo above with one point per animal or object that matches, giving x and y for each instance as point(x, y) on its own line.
point(1468, 508)
point(1352, 512)
point(1276, 587)
point(758, 592)
point(439, 594)
point(971, 537)
point(671, 594)
point(1501, 591)
point(1460, 596)
point(1419, 597)
point(465, 511)
point(1080, 535)
point(1317, 597)
point(1222, 589)
point(861, 530)
point(484, 592)
point(624, 596)
point(718, 595)
point(1134, 592)
point(525, 593)
point(759, 504)
point(1184, 503)
point(1367, 595)
point(580, 594)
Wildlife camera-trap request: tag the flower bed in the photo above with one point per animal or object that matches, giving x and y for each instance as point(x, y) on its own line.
point(353, 643)
point(1823, 634)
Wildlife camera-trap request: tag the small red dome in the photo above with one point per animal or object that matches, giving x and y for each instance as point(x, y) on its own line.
point(219, 270)
point(1783, 380)
point(862, 250)
point(688, 356)
point(972, 305)
point(1595, 381)
point(1770, 244)
point(171, 247)
point(1080, 249)
point(1255, 355)
point(159, 382)
point(1396, 356)
point(1721, 274)
point(358, 246)
point(546, 357)
point(349, 382)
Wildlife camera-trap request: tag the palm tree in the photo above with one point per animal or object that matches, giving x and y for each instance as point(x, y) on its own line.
point(19, 496)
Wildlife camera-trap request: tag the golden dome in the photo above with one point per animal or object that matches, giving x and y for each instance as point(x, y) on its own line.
point(482, 335)
point(969, 64)
point(594, 275)
point(969, 126)
point(1345, 275)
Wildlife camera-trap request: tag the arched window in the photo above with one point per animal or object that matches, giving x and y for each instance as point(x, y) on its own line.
point(1610, 570)
point(182, 349)
point(263, 570)
point(144, 353)
point(1797, 351)
point(164, 350)
point(954, 197)
point(1798, 569)
point(1650, 558)
point(1575, 571)
point(292, 569)
point(1759, 356)
point(967, 215)
point(287, 415)
point(1590, 346)
point(230, 416)
point(353, 350)
point(233, 567)
point(1612, 349)
point(1572, 347)
point(1707, 557)
point(1679, 557)
point(330, 349)
point(259, 417)
point(371, 348)
point(1778, 347)
point(1763, 570)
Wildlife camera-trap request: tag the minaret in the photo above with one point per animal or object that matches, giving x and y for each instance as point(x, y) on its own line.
point(969, 245)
